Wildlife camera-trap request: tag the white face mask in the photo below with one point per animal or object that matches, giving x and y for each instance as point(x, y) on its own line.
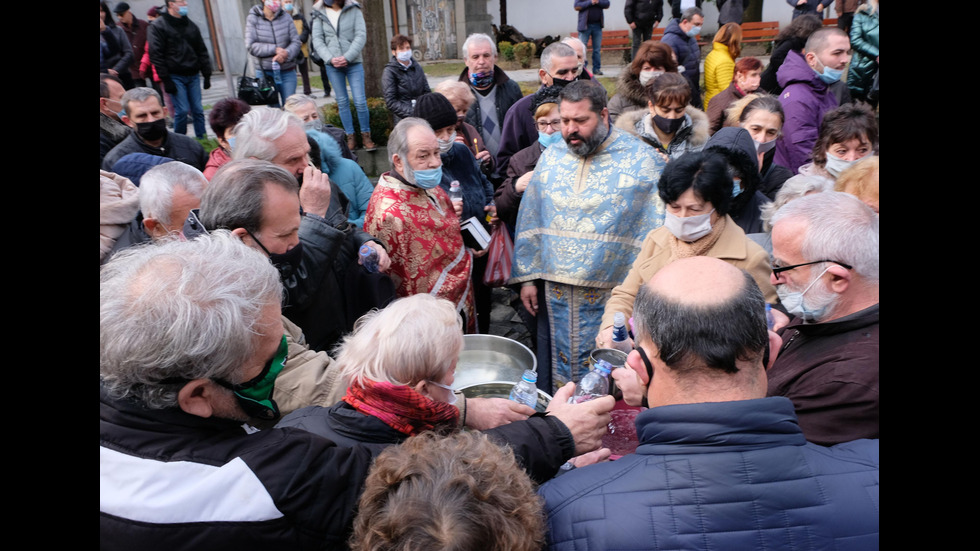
point(646, 77)
point(822, 300)
point(445, 146)
point(452, 395)
point(835, 165)
point(688, 229)
point(764, 147)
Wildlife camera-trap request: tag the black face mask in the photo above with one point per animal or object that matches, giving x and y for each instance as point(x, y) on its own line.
point(649, 366)
point(288, 262)
point(559, 83)
point(152, 131)
point(667, 126)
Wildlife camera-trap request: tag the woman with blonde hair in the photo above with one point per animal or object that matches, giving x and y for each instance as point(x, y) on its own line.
point(861, 181)
point(398, 364)
point(719, 64)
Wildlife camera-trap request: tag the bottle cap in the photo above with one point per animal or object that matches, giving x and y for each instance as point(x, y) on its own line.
point(530, 376)
point(603, 365)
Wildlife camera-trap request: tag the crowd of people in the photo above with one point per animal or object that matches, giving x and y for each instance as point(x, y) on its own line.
point(279, 334)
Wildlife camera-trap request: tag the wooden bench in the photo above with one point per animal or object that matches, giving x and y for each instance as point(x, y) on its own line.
point(612, 41)
point(830, 22)
point(759, 31)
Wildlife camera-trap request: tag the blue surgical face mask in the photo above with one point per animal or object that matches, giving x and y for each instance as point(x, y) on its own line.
point(182, 10)
point(547, 140)
point(694, 31)
point(428, 178)
point(831, 76)
point(737, 187)
point(231, 143)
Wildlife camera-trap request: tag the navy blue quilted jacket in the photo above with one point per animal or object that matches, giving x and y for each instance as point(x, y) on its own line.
point(727, 475)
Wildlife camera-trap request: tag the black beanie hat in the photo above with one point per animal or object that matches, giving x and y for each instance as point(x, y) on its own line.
point(436, 110)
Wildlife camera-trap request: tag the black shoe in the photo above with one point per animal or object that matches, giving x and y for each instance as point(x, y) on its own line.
point(597, 73)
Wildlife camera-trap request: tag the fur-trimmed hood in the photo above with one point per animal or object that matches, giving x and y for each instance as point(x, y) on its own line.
point(629, 86)
point(691, 136)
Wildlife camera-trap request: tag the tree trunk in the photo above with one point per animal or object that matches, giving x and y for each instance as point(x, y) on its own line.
point(753, 11)
point(376, 51)
point(503, 12)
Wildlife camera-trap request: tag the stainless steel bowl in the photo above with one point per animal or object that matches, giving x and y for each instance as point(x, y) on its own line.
point(488, 358)
point(501, 389)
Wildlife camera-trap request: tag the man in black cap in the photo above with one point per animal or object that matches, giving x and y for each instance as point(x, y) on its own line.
point(136, 32)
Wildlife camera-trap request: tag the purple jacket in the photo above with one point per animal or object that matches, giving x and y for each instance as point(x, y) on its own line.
point(805, 99)
point(585, 7)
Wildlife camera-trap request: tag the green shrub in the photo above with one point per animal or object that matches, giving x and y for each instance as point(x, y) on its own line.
point(506, 50)
point(208, 143)
point(378, 112)
point(524, 52)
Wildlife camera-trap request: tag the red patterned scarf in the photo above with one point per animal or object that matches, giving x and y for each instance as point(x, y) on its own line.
point(400, 406)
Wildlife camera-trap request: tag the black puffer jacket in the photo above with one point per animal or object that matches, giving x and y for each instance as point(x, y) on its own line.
point(401, 85)
point(737, 146)
point(541, 444)
point(176, 146)
point(643, 12)
point(176, 47)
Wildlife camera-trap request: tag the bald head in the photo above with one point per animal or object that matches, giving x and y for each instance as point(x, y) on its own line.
point(703, 315)
point(698, 281)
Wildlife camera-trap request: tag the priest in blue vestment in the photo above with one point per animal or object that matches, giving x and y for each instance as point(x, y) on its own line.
point(591, 201)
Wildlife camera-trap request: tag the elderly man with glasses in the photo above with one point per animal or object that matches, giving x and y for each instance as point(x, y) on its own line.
point(825, 269)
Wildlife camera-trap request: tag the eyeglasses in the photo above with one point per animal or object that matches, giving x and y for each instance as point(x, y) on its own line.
point(543, 125)
point(776, 270)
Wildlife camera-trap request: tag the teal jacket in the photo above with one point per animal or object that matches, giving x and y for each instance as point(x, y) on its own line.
point(864, 41)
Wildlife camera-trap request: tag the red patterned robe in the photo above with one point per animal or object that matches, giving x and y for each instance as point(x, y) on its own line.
point(424, 242)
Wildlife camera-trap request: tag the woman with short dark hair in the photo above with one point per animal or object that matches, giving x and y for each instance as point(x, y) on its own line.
point(223, 117)
point(403, 80)
point(848, 134)
point(697, 191)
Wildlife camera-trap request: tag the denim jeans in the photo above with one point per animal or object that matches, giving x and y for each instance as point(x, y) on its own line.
point(641, 34)
point(288, 86)
point(188, 100)
point(339, 78)
point(594, 30)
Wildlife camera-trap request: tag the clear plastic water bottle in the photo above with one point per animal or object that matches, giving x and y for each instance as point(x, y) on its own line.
point(455, 192)
point(595, 384)
point(369, 257)
point(525, 391)
point(276, 73)
point(621, 337)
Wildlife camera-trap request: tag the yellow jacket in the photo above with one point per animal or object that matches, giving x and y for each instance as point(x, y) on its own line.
point(719, 70)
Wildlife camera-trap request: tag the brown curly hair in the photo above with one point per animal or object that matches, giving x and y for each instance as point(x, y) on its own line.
point(455, 493)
